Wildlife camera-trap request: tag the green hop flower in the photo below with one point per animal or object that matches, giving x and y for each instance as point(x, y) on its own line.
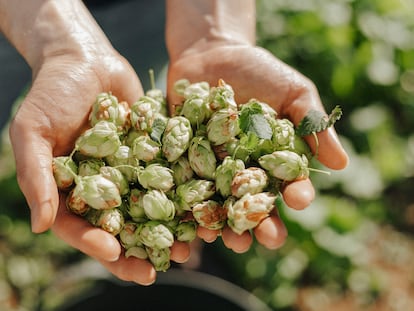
point(286, 165)
point(125, 162)
point(223, 126)
point(100, 141)
point(106, 107)
point(210, 214)
point(135, 207)
point(283, 134)
point(145, 149)
point(225, 173)
point(250, 180)
point(97, 191)
point(222, 96)
point(157, 206)
point(202, 158)
point(176, 138)
point(154, 234)
point(129, 235)
point(137, 252)
point(182, 171)
point(156, 176)
point(197, 90)
point(247, 212)
point(196, 110)
point(64, 171)
point(186, 231)
point(76, 204)
point(110, 220)
point(159, 257)
point(192, 192)
point(143, 113)
point(115, 175)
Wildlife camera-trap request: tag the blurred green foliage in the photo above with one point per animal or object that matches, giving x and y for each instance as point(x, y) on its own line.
point(355, 239)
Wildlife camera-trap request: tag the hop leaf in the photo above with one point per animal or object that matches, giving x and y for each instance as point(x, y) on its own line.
point(316, 121)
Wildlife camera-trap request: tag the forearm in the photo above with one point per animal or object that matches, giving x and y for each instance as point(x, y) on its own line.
point(196, 23)
point(42, 28)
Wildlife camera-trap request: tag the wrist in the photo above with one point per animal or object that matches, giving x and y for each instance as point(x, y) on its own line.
point(197, 25)
point(48, 28)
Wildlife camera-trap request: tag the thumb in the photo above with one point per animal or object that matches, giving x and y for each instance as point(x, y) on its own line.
point(33, 158)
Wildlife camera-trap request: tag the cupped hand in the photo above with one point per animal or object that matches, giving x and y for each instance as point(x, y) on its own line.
point(47, 123)
point(254, 72)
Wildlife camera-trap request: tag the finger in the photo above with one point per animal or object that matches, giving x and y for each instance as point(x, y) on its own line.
point(329, 149)
point(132, 269)
point(271, 232)
point(207, 235)
point(33, 158)
point(238, 243)
point(180, 252)
point(299, 194)
point(78, 233)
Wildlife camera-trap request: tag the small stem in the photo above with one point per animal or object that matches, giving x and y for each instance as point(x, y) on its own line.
point(152, 78)
point(319, 171)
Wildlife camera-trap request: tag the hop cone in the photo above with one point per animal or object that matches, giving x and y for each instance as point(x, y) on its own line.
point(64, 171)
point(202, 158)
point(192, 192)
point(176, 138)
point(157, 206)
point(110, 220)
point(145, 149)
point(156, 176)
point(98, 192)
point(223, 126)
point(247, 212)
point(250, 180)
point(283, 134)
point(285, 165)
point(156, 235)
point(99, 141)
point(210, 214)
point(225, 173)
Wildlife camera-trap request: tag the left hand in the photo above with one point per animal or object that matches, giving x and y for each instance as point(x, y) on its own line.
point(254, 72)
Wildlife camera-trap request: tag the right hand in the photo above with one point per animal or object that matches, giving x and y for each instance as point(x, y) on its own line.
point(51, 117)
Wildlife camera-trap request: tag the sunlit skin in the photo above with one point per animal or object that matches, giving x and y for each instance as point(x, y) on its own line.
point(72, 61)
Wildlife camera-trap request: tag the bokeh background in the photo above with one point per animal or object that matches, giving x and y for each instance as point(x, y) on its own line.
point(353, 248)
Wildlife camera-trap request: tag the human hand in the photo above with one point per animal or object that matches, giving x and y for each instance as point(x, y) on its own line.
point(255, 73)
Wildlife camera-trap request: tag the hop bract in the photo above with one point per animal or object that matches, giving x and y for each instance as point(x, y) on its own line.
point(247, 212)
point(157, 206)
point(202, 158)
point(100, 141)
point(250, 180)
point(156, 235)
point(223, 126)
point(98, 192)
point(286, 165)
point(225, 173)
point(176, 138)
point(64, 171)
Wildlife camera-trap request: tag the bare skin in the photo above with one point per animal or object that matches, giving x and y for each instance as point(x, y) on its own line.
point(72, 61)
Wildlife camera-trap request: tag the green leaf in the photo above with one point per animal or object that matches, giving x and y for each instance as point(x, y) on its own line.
point(252, 120)
point(158, 128)
point(316, 121)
